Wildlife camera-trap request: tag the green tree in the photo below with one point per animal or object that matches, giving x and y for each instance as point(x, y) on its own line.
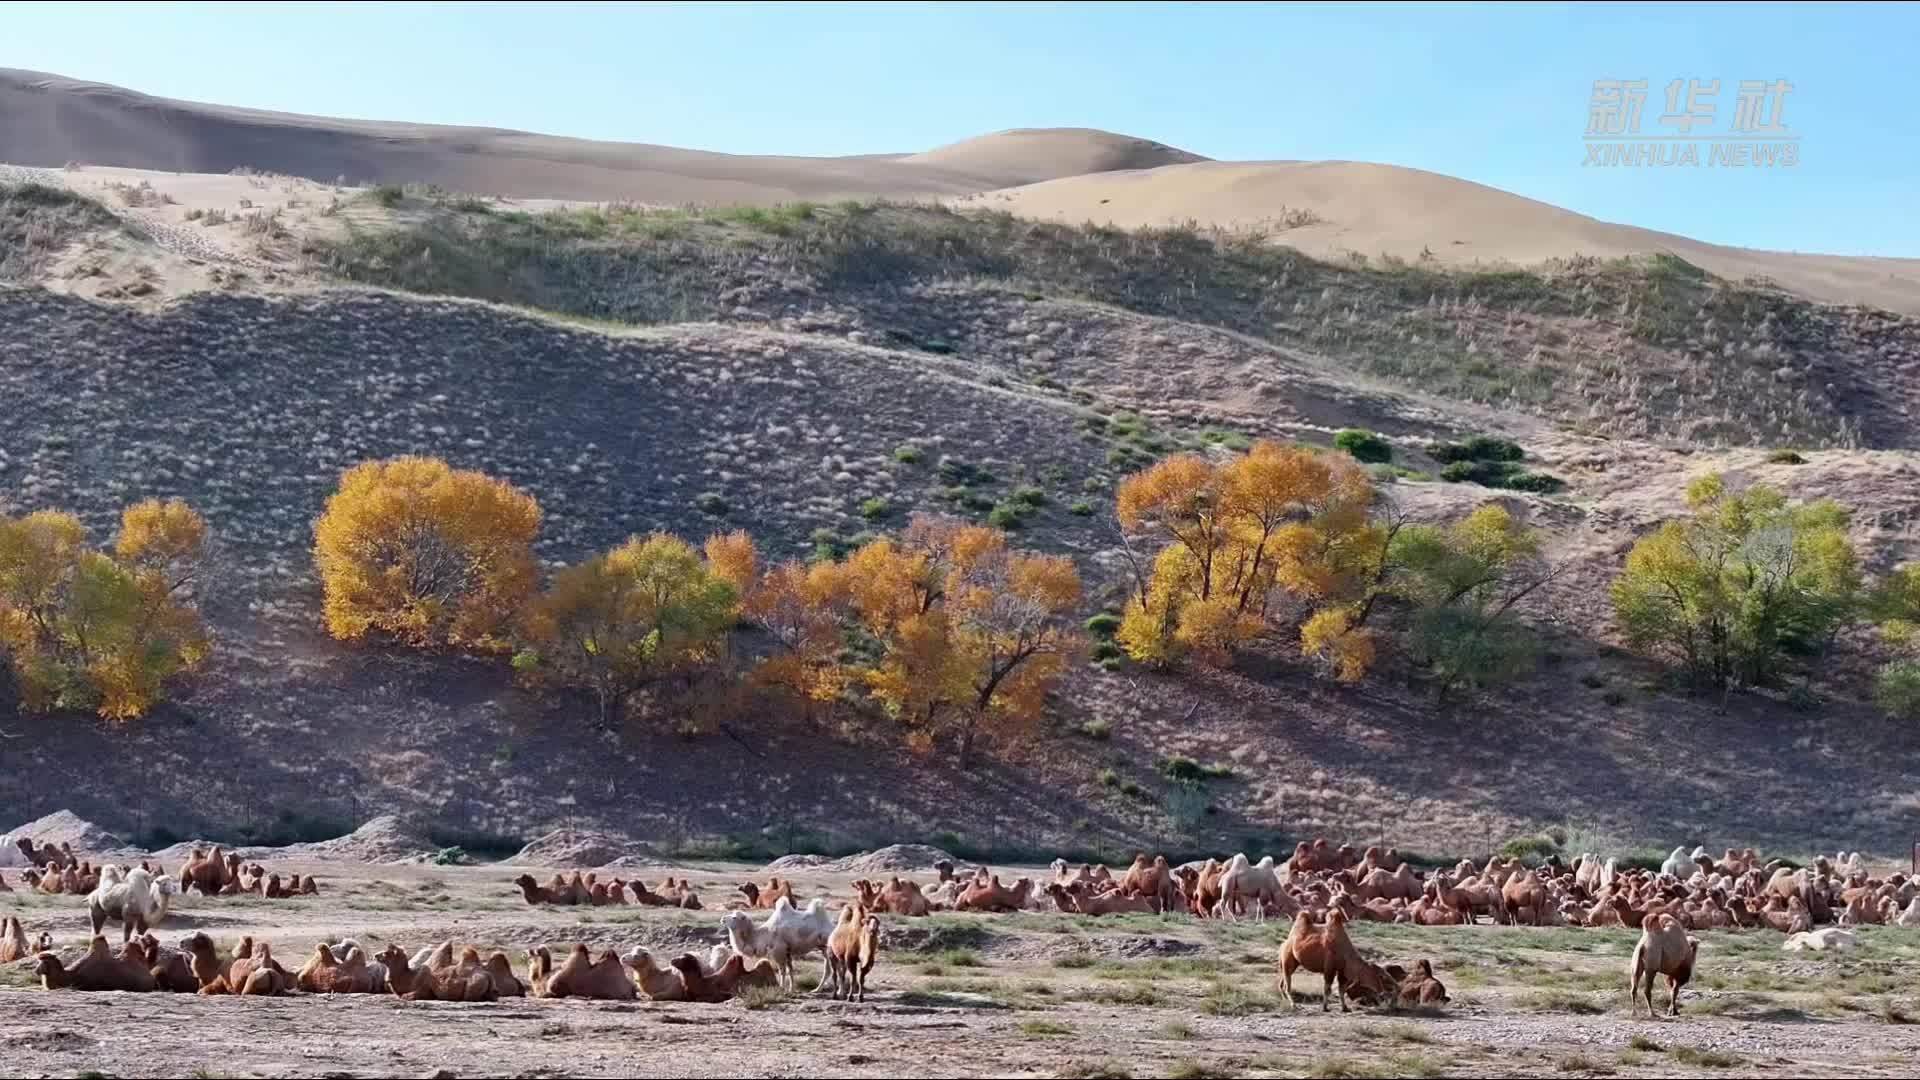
point(1463, 581)
point(1895, 608)
point(82, 629)
point(1744, 579)
point(625, 620)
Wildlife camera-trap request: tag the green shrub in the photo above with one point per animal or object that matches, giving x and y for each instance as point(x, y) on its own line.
point(449, 856)
point(1103, 625)
point(709, 502)
point(1029, 495)
point(1365, 446)
point(1105, 650)
point(1081, 508)
point(1478, 448)
point(1785, 457)
point(1004, 517)
point(1897, 689)
point(1099, 728)
point(1107, 778)
point(1536, 482)
point(908, 455)
point(955, 471)
point(1457, 472)
point(875, 508)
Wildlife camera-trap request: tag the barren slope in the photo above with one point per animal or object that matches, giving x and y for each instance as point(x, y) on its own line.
point(793, 356)
point(1330, 208)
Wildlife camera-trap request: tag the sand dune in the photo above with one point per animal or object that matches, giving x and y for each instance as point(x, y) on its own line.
point(1386, 209)
point(51, 120)
point(1075, 174)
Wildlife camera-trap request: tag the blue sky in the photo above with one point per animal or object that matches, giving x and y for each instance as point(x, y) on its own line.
point(1496, 94)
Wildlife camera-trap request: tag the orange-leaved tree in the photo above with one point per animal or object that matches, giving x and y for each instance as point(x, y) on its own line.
point(800, 607)
point(1235, 539)
point(426, 553)
point(974, 633)
point(83, 629)
point(622, 621)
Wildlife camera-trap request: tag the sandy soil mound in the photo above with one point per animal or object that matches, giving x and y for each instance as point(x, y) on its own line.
point(577, 848)
point(890, 859)
point(67, 827)
point(385, 839)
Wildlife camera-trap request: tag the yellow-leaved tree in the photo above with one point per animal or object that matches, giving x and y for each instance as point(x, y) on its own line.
point(974, 634)
point(431, 555)
point(1241, 541)
point(621, 622)
point(84, 629)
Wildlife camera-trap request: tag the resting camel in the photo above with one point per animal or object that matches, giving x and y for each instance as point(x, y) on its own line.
point(658, 983)
point(726, 981)
point(1330, 953)
point(1664, 949)
point(580, 976)
point(994, 896)
point(1421, 988)
point(326, 974)
point(759, 898)
point(1111, 902)
point(99, 970)
point(169, 967)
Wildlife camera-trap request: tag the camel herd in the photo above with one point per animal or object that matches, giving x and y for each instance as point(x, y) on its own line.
point(1322, 890)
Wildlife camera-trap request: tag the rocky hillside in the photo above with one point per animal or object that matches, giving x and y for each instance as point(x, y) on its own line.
point(762, 369)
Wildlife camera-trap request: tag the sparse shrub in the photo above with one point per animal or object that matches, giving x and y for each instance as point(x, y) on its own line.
point(387, 195)
point(1103, 625)
point(711, 503)
point(1457, 472)
point(215, 216)
point(1081, 508)
point(449, 856)
point(1004, 516)
point(909, 455)
point(1099, 729)
point(1103, 651)
point(1785, 457)
point(1028, 496)
point(1185, 806)
point(875, 508)
point(426, 553)
point(1365, 446)
point(1107, 778)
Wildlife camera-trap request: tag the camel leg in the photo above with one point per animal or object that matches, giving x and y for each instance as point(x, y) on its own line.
point(1673, 996)
point(1286, 980)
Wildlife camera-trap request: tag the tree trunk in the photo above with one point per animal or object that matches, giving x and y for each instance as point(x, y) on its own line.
point(966, 741)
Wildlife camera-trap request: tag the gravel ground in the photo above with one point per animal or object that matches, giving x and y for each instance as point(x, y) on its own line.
point(1025, 995)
